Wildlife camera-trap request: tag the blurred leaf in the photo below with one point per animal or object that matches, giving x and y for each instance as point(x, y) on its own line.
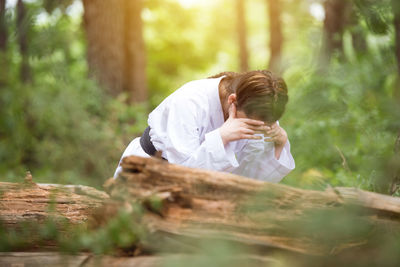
point(51, 5)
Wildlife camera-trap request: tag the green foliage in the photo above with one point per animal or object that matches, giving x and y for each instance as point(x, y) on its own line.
point(123, 231)
point(53, 122)
point(377, 14)
point(214, 253)
point(64, 128)
point(351, 112)
point(345, 225)
point(342, 122)
point(61, 126)
point(184, 46)
point(51, 5)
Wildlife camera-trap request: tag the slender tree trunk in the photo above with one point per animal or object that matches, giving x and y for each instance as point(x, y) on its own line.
point(396, 12)
point(242, 35)
point(396, 22)
point(135, 59)
point(276, 36)
point(359, 40)
point(3, 43)
point(395, 185)
point(22, 32)
point(103, 22)
point(116, 52)
point(396, 176)
point(358, 34)
point(3, 26)
point(335, 20)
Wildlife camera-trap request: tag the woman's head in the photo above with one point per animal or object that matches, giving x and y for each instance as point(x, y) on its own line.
point(259, 94)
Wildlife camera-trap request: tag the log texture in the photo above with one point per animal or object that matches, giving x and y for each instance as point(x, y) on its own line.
point(199, 203)
point(31, 202)
point(42, 259)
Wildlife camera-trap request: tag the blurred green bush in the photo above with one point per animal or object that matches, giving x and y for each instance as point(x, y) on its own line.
point(61, 127)
point(342, 122)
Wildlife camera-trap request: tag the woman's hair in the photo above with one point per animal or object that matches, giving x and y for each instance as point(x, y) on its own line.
point(260, 94)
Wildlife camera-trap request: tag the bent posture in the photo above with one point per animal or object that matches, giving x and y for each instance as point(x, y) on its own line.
point(228, 122)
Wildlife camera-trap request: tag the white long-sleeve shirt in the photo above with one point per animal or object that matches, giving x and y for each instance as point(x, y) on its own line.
point(185, 127)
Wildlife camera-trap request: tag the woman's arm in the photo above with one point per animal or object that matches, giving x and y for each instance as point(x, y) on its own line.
point(176, 131)
point(277, 135)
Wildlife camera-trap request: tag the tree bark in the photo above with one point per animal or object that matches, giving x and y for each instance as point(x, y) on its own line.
point(396, 12)
point(23, 24)
point(336, 12)
point(3, 44)
point(358, 34)
point(395, 166)
point(186, 205)
point(396, 21)
point(3, 26)
point(242, 35)
point(135, 60)
point(359, 41)
point(31, 202)
point(103, 22)
point(199, 204)
point(38, 259)
point(116, 47)
point(276, 35)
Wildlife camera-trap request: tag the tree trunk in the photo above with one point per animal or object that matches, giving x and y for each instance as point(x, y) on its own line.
point(116, 47)
point(396, 12)
point(3, 26)
point(135, 61)
point(103, 22)
point(276, 36)
point(200, 204)
point(23, 24)
point(3, 44)
point(242, 35)
point(358, 34)
point(334, 24)
point(395, 167)
point(359, 40)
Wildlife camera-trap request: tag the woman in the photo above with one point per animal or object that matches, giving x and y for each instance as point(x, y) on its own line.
point(228, 122)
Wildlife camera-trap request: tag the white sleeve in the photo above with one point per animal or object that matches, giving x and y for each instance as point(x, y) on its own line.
point(176, 133)
point(258, 161)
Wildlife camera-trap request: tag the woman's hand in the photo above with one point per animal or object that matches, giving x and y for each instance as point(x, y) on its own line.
point(277, 134)
point(236, 128)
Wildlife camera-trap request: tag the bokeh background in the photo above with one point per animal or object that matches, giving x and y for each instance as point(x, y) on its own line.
point(78, 79)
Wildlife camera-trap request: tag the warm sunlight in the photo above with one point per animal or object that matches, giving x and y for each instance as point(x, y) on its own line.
point(188, 3)
point(145, 132)
point(193, 3)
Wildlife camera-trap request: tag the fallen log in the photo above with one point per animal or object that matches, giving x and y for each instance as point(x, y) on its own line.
point(31, 202)
point(39, 259)
point(184, 205)
point(198, 203)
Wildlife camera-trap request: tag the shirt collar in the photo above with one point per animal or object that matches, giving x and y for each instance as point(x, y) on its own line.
point(217, 115)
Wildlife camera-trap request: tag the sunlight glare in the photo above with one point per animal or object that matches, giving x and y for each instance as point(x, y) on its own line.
point(188, 3)
point(317, 11)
